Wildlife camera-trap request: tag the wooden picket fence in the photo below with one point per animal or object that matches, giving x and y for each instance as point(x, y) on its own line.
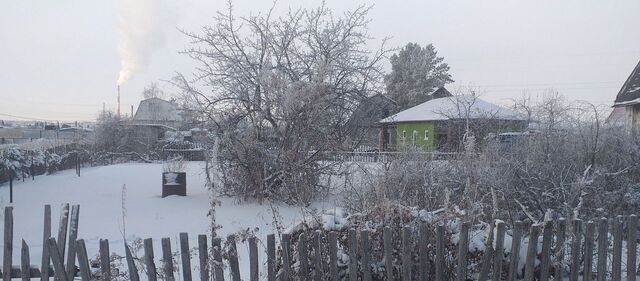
point(583, 240)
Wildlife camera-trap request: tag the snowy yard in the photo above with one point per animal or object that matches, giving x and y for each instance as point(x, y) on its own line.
point(99, 189)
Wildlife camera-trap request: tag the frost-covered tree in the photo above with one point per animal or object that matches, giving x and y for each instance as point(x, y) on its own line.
point(279, 91)
point(415, 72)
point(153, 91)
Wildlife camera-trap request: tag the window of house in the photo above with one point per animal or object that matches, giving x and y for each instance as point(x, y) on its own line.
point(404, 134)
point(414, 137)
point(426, 134)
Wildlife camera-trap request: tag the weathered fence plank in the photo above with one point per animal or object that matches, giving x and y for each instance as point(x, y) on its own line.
point(616, 269)
point(559, 249)
point(632, 235)
point(234, 265)
point(133, 270)
point(253, 260)
point(587, 271)
point(46, 234)
point(56, 259)
point(8, 243)
point(487, 257)
point(576, 247)
point(463, 249)
point(167, 259)
point(352, 236)
point(25, 272)
point(73, 236)
point(62, 228)
point(545, 261)
point(440, 252)
point(333, 255)
point(271, 257)
point(203, 257)
point(185, 256)
point(532, 252)
point(603, 245)
point(515, 250)
point(105, 264)
point(149, 260)
point(498, 255)
point(218, 270)
point(406, 253)
point(423, 249)
point(387, 236)
point(83, 260)
point(365, 257)
point(286, 257)
point(317, 259)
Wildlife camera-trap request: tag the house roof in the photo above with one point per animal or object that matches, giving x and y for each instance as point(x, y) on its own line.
point(454, 107)
point(156, 109)
point(630, 91)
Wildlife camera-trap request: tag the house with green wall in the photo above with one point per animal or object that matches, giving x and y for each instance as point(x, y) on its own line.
point(440, 124)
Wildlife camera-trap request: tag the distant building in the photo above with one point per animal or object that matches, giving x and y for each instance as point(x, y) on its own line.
point(440, 123)
point(626, 110)
point(156, 111)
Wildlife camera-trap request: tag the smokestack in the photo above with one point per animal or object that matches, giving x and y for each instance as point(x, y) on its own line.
point(131, 111)
point(118, 101)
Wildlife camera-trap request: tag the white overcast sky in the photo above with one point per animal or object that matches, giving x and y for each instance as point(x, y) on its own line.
point(59, 59)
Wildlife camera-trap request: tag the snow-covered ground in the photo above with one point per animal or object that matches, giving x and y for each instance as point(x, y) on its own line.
point(99, 193)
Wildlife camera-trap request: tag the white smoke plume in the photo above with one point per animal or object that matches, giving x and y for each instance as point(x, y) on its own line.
point(139, 34)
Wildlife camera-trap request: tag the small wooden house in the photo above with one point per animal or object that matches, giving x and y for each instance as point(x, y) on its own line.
point(626, 110)
point(440, 124)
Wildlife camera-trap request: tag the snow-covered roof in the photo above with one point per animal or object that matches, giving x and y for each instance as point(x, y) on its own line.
point(156, 109)
point(456, 107)
point(630, 91)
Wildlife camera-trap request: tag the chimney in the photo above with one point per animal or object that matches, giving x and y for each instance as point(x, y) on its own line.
point(118, 101)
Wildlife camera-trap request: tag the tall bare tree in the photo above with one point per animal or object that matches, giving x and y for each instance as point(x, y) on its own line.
point(279, 91)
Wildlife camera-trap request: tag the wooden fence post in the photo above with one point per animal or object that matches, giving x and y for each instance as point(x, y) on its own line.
point(133, 271)
point(185, 254)
point(603, 245)
point(105, 260)
point(148, 260)
point(333, 255)
point(587, 271)
point(271, 257)
point(217, 259)
point(532, 253)
point(424, 252)
point(203, 256)
point(73, 235)
point(317, 259)
point(234, 266)
point(440, 252)
point(167, 259)
point(8, 244)
point(547, 239)
point(632, 235)
point(515, 250)
point(353, 255)
point(286, 254)
point(83, 260)
point(56, 259)
point(253, 260)
point(576, 247)
point(387, 236)
point(463, 249)
point(559, 249)
point(366, 263)
point(617, 249)
point(25, 269)
point(44, 262)
point(406, 254)
point(62, 228)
